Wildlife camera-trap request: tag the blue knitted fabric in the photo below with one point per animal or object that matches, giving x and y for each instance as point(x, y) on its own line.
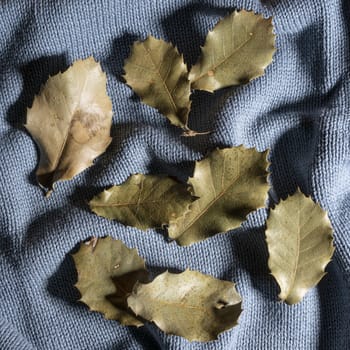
point(300, 109)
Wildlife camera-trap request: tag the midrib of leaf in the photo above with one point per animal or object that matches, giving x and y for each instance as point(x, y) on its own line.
point(64, 144)
point(172, 101)
point(295, 268)
point(215, 66)
point(182, 305)
point(125, 204)
point(140, 194)
point(211, 203)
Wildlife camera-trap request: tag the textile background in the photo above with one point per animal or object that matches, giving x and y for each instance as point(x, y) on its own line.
point(300, 109)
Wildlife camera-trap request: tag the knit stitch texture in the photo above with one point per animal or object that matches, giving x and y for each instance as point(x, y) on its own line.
point(300, 109)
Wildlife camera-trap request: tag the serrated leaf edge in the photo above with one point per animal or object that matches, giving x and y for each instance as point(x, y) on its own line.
point(324, 263)
point(210, 31)
point(185, 127)
point(81, 299)
point(268, 174)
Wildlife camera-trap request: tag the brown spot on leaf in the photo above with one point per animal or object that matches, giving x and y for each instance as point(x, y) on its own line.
point(85, 126)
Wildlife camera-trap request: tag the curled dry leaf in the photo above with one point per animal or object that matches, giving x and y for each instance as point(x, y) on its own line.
point(144, 201)
point(107, 273)
point(230, 183)
point(190, 304)
point(70, 121)
point(238, 50)
point(157, 73)
point(300, 242)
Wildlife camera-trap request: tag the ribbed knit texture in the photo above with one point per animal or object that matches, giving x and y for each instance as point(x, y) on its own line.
point(300, 109)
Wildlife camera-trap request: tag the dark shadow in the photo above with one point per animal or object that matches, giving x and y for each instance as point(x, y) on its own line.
point(61, 283)
point(292, 158)
point(32, 179)
point(183, 170)
point(251, 250)
point(119, 53)
point(204, 109)
point(7, 249)
point(157, 270)
point(185, 23)
point(346, 11)
point(34, 75)
point(180, 171)
point(194, 21)
point(267, 4)
point(163, 232)
point(335, 309)
point(83, 195)
point(119, 133)
point(321, 96)
point(310, 57)
point(147, 337)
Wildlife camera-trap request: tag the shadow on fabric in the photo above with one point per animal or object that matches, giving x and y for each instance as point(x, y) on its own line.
point(120, 51)
point(291, 164)
point(180, 171)
point(7, 247)
point(335, 309)
point(292, 158)
point(50, 221)
point(83, 194)
point(183, 24)
point(34, 75)
point(147, 337)
point(102, 165)
point(61, 283)
point(250, 247)
point(179, 26)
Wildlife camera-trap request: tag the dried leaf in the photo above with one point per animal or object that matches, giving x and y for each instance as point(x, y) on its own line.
point(230, 184)
point(70, 121)
point(299, 238)
point(157, 73)
point(143, 201)
point(107, 273)
point(238, 50)
point(190, 304)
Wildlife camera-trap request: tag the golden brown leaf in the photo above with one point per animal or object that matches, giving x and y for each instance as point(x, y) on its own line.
point(107, 273)
point(157, 73)
point(144, 201)
point(299, 237)
point(190, 304)
point(70, 121)
point(230, 183)
point(238, 50)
